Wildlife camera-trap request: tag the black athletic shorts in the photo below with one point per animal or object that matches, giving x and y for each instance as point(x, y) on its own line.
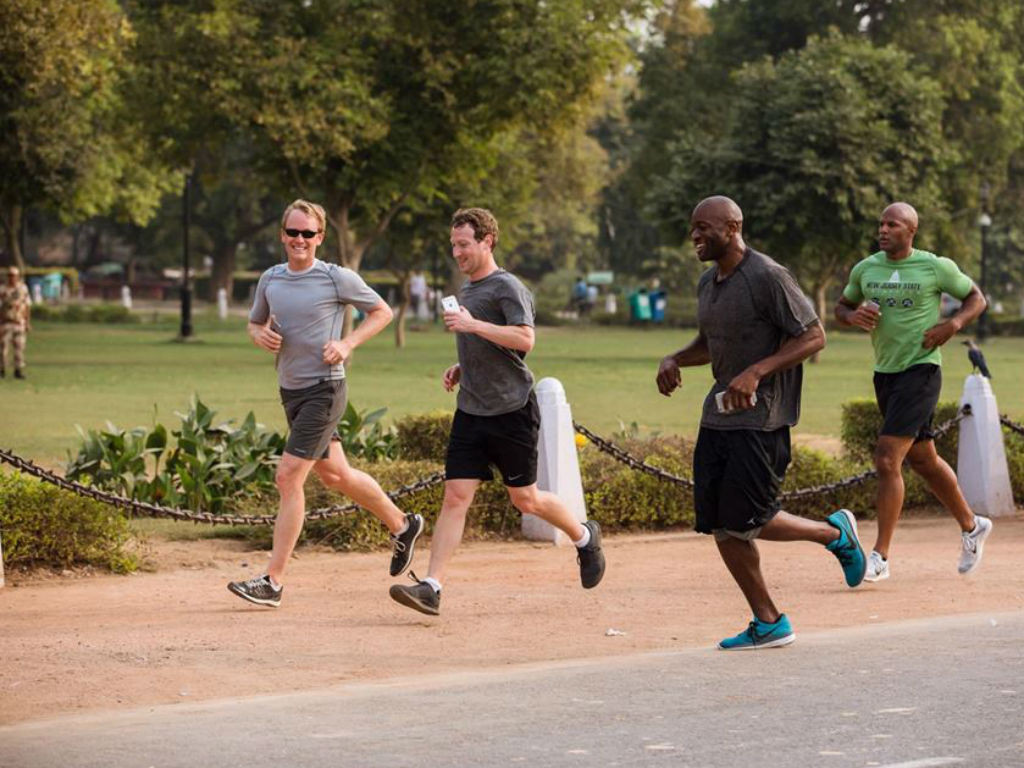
point(737, 474)
point(907, 401)
point(508, 441)
point(313, 414)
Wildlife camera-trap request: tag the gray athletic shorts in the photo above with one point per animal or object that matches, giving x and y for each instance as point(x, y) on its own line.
point(313, 414)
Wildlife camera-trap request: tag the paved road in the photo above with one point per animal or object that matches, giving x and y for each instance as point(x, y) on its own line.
point(916, 694)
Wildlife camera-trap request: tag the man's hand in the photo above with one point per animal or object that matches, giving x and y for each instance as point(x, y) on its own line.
point(460, 322)
point(337, 351)
point(264, 336)
point(864, 317)
point(451, 377)
point(669, 378)
point(939, 334)
point(740, 394)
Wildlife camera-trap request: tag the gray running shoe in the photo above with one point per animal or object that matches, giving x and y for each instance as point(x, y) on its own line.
point(404, 545)
point(972, 543)
point(591, 558)
point(258, 590)
point(420, 597)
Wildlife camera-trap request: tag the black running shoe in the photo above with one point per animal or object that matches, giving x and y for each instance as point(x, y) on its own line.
point(404, 544)
point(591, 558)
point(258, 590)
point(420, 597)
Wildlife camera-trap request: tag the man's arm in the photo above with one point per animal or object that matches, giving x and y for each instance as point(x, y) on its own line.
point(791, 353)
point(376, 320)
point(695, 353)
point(518, 337)
point(973, 305)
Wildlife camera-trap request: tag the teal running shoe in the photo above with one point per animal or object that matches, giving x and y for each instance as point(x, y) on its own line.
point(760, 634)
point(847, 548)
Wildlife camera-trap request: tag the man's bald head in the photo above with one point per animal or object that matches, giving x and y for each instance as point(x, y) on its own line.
point(903, 211)
point(896, 229)
point(719, 209)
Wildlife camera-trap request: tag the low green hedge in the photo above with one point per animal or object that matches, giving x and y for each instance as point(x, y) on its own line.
point(85, 313)
point(42, 525)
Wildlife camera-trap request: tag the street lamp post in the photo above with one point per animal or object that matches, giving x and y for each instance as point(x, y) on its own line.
point(186, 291)
point(984, 222)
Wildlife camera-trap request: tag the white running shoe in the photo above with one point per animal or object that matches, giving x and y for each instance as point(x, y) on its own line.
point(878, 567)
point(973, 543)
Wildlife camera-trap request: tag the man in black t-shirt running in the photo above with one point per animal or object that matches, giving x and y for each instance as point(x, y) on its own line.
point(497, 420)
point(755, 328)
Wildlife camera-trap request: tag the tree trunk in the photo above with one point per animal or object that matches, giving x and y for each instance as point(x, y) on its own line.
point(222, 274)
point(403, 307)
point(820, 297)
point(12, 214)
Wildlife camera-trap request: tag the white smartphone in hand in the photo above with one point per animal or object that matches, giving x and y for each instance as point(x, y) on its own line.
point(450, 304)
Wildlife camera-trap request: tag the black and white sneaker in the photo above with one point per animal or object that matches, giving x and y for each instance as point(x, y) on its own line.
point(258, 590)
point(404, 544)
point(421, 597)
point(591, 558)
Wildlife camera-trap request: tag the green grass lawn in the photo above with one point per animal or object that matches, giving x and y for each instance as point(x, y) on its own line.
point(133, 375)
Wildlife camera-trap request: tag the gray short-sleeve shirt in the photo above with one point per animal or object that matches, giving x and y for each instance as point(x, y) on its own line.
point(746, 318)
point(495, 379)
point(308, 307)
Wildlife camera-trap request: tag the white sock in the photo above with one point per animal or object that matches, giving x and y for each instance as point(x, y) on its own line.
point(434, 584)
point(403, 529)
point(584, 539)
point(273, 582)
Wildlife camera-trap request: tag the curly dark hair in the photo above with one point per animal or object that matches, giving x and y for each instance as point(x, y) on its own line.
point(480, 219)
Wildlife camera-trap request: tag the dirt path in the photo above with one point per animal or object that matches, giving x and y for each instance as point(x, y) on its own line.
point(70, 645)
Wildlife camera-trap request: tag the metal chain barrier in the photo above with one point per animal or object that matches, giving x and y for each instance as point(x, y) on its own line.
point(1012, 425)
point(641, 466)
point(146, 509)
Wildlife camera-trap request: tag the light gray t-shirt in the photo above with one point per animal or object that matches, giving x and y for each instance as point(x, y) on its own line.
point(495, 379)
point(745, 318)
point(308, 307)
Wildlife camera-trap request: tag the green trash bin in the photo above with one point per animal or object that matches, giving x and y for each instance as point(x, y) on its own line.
point(639, 307)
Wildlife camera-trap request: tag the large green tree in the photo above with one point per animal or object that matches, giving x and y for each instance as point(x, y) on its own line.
point(813, 148)
point(67, 139)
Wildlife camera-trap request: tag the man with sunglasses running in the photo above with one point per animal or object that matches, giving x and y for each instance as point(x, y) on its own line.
point(297, 315)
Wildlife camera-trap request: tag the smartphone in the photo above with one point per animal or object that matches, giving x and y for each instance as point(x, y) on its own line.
point(720, 402)
point(450, 304)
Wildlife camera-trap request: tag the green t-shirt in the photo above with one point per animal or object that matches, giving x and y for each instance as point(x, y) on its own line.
point(909, 292)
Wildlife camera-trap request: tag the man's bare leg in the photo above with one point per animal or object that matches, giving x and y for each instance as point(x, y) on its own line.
point(451, 522)
point(744, 563)
point(889, 454)
point(335, 472)
point(547, 506)
point(291, 477)
point(941, 480)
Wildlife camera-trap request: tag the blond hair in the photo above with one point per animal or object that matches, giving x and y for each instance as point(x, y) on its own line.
point(308, 208)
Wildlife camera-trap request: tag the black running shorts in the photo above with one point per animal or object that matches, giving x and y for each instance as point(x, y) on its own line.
point(313, 414)
point(907, 401)
point(737, 474)
point(508, 441)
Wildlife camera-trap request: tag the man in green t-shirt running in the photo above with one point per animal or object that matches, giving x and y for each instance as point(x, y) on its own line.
point(895, 295)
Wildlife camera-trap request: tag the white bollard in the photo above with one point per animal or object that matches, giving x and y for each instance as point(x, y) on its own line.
point(558, 467)
point(37, 293)
point(126, 297)
point(610, 304)
point(981, 458)
point(222, 303)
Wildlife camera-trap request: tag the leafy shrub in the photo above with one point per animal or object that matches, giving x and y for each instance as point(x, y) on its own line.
point(43, 525)
point(363, 435)
point(424, 436)
point(210, 464)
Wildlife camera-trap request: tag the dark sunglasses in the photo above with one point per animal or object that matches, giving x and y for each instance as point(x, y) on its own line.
point(308, 234)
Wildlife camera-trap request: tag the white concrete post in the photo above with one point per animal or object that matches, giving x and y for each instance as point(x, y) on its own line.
point(558, 468)
point(126, 297)
point(222, 303)
point(981, 458)
point(37, 293)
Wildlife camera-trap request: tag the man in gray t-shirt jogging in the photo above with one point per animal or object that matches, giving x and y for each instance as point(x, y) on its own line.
point(497, 419)
point(755, 327)
point(297, 314)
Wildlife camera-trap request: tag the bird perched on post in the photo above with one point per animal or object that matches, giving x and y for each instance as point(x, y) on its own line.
point(977, 359)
